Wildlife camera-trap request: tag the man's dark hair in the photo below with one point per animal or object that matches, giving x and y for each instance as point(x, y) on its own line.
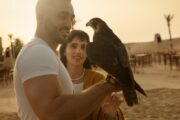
point(83, 36)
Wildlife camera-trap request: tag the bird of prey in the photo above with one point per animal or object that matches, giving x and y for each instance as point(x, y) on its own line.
point(108, 52)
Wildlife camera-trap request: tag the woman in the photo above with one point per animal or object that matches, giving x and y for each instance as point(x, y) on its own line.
point(73, 55)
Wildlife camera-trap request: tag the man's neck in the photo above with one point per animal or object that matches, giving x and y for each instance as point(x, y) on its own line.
point(52, 44)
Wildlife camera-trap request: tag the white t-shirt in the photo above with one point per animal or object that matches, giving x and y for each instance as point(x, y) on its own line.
point(37, 59)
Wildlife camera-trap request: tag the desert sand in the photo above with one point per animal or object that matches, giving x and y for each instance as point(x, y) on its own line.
point(8, 109)
point(162, 102)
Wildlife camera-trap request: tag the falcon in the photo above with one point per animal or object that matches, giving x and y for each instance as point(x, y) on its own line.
point(108, 52)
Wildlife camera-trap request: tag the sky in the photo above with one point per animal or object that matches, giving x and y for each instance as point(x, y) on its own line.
point(131, 20)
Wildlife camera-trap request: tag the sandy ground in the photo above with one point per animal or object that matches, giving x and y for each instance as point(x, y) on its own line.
point(163, 91)
point(8, 109)
point(161, 104)
point(162, 87)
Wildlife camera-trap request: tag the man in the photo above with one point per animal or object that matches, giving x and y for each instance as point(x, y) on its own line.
point(42, 84)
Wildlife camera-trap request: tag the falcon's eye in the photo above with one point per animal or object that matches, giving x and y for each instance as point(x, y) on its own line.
point(94, 21)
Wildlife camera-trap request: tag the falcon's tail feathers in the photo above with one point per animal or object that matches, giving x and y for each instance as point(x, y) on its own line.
point(130, 97)
point(139, 88)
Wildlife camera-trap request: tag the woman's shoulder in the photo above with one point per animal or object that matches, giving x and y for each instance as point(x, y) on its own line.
point(92, 77)
point(94, 73)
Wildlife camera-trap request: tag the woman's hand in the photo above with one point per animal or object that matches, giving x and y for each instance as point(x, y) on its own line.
point(112, 103)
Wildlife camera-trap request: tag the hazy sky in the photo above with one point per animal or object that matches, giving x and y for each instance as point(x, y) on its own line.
point(131, 20)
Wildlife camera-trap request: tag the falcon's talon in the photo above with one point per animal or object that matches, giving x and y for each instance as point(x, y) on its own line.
point(111, 79)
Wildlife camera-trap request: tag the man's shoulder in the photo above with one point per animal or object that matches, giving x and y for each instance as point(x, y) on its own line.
point(35, 45)
point(36, 50)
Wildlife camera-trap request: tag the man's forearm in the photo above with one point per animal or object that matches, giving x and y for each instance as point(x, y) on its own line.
point(78, 106)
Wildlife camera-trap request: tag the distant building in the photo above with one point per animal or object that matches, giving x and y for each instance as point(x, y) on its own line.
point(153, 47)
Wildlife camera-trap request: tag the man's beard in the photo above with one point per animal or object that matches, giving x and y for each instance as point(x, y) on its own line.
point(54, 33)
point(58, 38)
point(61, 40)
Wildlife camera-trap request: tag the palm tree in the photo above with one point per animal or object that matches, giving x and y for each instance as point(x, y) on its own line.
point(17, 45)
point(168, 19)
point(11, 54)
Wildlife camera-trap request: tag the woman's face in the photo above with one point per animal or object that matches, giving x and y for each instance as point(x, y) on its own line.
point(76, 52)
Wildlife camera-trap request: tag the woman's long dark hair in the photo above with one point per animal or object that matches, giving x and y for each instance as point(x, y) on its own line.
point(83, 36)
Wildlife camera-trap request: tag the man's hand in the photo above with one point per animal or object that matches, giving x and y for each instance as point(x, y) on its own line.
point(112, 103)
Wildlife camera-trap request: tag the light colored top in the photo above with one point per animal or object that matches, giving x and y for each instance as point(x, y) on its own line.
point(78, 87)
point(90, 78)
point(37, 59)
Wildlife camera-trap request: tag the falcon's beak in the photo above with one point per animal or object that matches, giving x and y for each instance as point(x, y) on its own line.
point(89, 23)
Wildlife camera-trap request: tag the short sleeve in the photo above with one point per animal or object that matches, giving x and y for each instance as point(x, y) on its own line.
point(37, 61)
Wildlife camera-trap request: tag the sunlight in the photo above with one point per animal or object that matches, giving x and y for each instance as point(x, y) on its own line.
point(132, 21)
point(18, 19)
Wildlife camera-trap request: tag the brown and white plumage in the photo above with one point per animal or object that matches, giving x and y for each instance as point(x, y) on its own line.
point(109, 53)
